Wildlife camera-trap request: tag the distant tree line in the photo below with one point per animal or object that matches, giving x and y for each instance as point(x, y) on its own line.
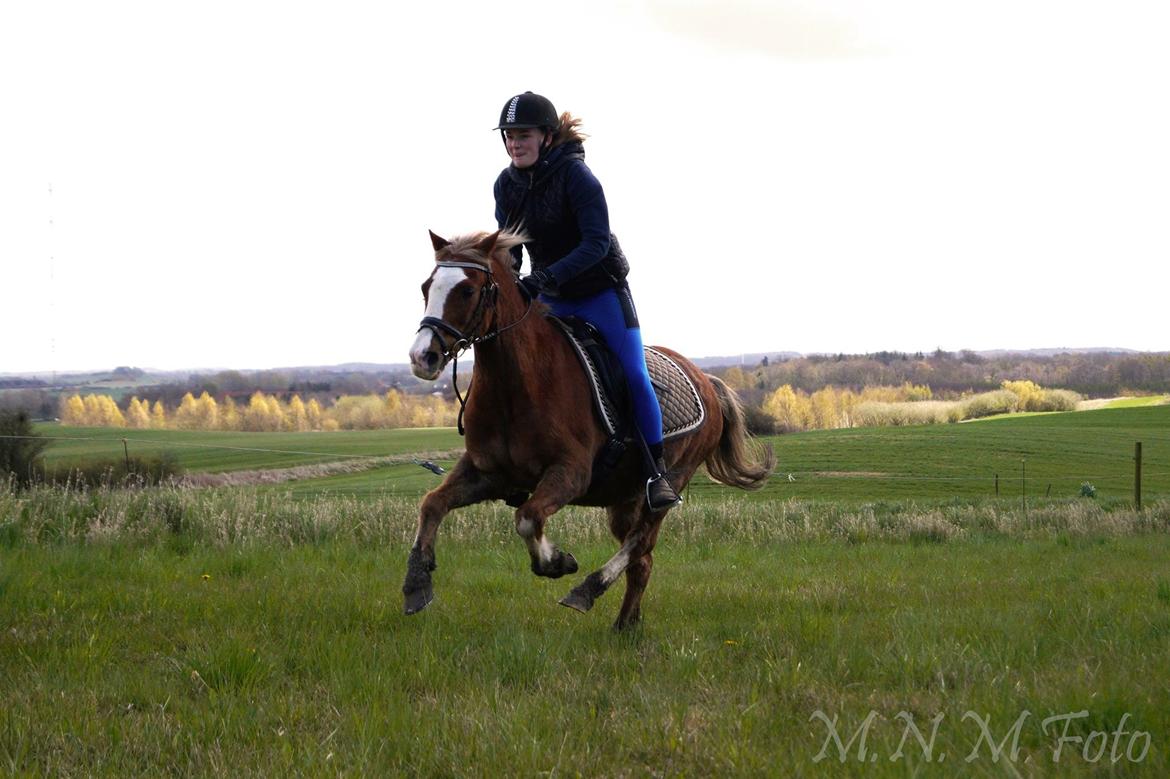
point(789, 410)
point(951, 375)
point(325, 386)
point(21, 383)
point(262, 413)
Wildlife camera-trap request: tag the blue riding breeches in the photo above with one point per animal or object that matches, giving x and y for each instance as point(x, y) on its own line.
point(612, 312)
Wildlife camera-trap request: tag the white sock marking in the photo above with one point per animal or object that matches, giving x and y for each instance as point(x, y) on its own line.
point(617, 564)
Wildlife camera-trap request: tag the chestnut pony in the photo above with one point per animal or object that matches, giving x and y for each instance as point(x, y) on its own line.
point(531, 430)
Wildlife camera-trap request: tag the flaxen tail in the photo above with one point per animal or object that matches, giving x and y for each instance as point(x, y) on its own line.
point(739, 461)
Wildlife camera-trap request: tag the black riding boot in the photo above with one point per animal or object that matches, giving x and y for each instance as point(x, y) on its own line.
point(659, 494)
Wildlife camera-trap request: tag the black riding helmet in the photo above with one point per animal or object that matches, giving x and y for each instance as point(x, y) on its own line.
point(528, 110)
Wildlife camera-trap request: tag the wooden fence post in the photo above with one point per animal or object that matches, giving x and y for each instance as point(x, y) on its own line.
point(1137, 475)
point(1024, 487)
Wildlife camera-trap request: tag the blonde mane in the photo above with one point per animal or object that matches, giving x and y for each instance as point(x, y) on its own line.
point(466, 246)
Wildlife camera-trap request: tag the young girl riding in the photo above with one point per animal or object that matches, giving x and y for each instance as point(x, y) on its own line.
point(577, 267)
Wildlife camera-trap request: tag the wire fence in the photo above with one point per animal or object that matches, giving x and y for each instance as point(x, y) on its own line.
point(115, 442)
point(1123, 466)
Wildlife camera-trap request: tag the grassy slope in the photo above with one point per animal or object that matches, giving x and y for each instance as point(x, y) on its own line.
point(1140, 402)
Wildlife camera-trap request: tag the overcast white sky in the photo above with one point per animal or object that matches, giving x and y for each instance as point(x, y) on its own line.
point(249, 185)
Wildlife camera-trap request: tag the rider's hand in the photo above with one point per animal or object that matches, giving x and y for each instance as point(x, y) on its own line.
point(534, 283)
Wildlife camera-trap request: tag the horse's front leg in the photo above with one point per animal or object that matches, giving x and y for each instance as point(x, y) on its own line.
point(463, 486)
point(559, 485)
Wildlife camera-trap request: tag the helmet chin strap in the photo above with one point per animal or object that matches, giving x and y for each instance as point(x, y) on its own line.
point(545, 145)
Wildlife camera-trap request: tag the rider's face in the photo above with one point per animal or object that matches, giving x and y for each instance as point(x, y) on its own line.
point(524, 146)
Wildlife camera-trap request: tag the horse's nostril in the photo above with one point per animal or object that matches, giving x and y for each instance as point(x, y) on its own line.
point(431, 358)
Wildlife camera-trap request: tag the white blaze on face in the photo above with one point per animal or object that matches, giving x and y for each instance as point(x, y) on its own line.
point(444, 280)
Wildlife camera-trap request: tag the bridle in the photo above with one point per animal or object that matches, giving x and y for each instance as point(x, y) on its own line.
point(488, 296)
point(463, 341)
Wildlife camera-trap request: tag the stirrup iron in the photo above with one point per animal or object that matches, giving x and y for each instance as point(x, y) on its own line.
point(667, 502)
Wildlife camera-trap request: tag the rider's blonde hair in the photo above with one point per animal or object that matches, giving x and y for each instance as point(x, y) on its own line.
point(568, 130)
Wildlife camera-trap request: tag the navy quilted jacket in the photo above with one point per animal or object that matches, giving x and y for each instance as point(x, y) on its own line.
point(561, 206)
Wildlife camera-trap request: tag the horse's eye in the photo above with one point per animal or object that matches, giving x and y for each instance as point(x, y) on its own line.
point(467, 293)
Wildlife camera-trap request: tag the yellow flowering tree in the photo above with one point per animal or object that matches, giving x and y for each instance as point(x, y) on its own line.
point(137, 414)
point(158, 416)
point(73, 411)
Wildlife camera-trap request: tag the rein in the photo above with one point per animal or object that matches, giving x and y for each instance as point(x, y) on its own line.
point(488, 295)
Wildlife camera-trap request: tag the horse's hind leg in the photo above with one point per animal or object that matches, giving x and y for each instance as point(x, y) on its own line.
point(463, 486)
point(637, 576)
point(638, 541)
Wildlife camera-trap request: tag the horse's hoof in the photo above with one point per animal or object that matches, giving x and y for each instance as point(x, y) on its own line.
point(577, 600)
point(582, 596)
point(416, 601)
point(564, 563)
point(629, 623)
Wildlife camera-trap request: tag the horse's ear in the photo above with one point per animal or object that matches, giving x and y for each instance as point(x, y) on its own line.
point(437, 242)
point(487, 243)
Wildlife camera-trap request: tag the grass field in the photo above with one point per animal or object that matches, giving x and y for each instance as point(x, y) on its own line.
point(258, 630)
point(1061, 450)
point(225, 451)
point(1046, 455)
point(1140, 402)
point(240, 654)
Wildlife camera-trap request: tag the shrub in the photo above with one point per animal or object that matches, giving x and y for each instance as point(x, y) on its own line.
point(142, 471)
point(922, 412)
point(988, 404)
point(758, 423)
point(20, 448)
point(1059, 400)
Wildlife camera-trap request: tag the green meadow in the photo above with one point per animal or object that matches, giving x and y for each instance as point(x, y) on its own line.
point(230, 451)
point(1042, 456)
point(882, 613)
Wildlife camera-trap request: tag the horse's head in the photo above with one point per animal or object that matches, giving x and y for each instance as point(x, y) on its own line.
point(462, 297)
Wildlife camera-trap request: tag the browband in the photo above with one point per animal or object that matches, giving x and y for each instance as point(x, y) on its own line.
point(470, 264)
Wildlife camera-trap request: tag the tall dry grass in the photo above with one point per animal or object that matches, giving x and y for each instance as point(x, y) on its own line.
point(249, 516)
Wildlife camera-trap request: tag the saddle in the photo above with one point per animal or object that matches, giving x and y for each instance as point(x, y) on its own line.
point(682, 408)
